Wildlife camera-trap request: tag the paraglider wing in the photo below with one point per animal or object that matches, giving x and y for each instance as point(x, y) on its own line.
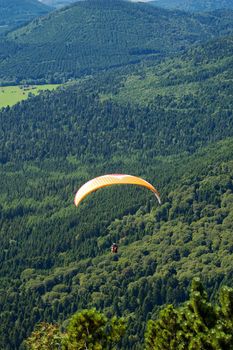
point(109, 180)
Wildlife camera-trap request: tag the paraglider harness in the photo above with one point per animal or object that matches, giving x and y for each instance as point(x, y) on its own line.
point(114, 248)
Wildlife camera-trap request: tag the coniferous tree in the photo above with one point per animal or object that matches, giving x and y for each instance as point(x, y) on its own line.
point(198, 325)
point(88, 329)
point(45, 337)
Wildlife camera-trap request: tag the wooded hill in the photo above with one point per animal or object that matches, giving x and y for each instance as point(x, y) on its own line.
point(206, 67)
point(95, 35)
point(194, 5)
point(15, 13)
point(55, 258)
point(160, 249)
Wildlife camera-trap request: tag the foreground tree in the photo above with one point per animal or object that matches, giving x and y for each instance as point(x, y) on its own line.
point(46, 336)
point(90, 329)
point(87, 330)
point(198, 325)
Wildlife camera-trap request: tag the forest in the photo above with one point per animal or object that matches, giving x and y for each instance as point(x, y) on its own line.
point(168, 120)
point(197, 324)
point(15, 13)
point(111, 33)
point(56, 141)
point(194, 5)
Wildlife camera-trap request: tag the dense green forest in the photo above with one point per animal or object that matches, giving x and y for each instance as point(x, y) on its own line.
point(167, 118)
point(15, 13)
point(57, 255)
point(96, 35)
point(161, 249)
point(198, 324)
point(194, 5)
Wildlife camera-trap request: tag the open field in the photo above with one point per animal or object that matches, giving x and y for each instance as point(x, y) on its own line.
point(10, 95)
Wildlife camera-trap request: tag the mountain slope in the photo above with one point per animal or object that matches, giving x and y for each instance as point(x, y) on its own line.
point(14, 13)
point(96, 35)
point(55, 257)
point(194, 5)
point(206, 67)
point(161, 249)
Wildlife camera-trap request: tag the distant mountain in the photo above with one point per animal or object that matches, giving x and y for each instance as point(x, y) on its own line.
point(14, 13)
point(58, 3)
point(194, 5)
point(99, 34)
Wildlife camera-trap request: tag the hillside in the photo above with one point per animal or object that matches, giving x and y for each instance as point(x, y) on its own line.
point(171, 124)
point(206, 67)
point(194, 5)
point(96, 35)
point(161, 249)
point(14, 13)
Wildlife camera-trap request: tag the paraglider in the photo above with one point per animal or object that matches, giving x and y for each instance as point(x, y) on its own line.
point(109, 180)
point(114, 248)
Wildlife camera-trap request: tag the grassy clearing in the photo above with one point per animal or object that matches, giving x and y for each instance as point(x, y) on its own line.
point(10, 95)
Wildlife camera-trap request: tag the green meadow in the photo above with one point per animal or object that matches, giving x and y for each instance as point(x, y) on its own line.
point(10, 95)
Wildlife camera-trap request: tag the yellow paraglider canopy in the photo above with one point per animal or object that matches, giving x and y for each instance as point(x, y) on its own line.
point(109, 180)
